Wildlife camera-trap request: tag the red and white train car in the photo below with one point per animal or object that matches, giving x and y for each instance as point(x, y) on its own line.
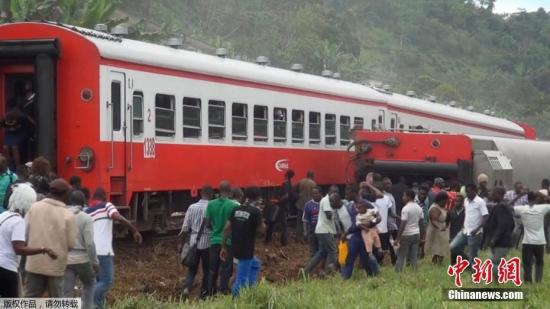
point(151, 124)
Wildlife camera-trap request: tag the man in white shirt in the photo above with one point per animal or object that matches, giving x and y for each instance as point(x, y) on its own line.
point(325, 232)
point(476, 215)
point(383, 206)
point(411, 232)
point(532, 217)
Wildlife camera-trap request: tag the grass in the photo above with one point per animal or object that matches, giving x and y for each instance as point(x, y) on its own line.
point(423, 289)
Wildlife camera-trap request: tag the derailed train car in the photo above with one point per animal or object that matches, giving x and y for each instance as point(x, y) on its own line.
point(460, 157)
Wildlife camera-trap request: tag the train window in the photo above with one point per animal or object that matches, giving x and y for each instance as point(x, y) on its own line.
point(314, 128)
point(279, 125)
point(216, 119)
point(191, 117)
point(330, 129)
point(358, 123)
point(373, 125)
point(239, 120)
point(164, 115)
point(345, 128)
point(298, 127)
point(115, 105)
point(260, 123)
point(137, 113)
point(392, 124)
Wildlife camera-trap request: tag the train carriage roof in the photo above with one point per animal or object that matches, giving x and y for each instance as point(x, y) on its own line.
point(132, 51)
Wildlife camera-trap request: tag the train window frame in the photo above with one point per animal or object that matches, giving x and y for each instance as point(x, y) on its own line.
point(345, 130)
point(261, 122)
point(298, 126)
point(373, 126)
point(278, 122)
point(165, 133)
point(216, 104)
point(243, 118)
point(314, 127)
point(393, 124)
point(332, 135)
point(116, 106)
point(192, 105)
point(137, 119)
point(358, 123)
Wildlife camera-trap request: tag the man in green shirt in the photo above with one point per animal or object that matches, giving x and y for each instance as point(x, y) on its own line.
point(217, 214)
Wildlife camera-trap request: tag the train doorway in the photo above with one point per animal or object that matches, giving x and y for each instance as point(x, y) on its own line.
point(28, 100)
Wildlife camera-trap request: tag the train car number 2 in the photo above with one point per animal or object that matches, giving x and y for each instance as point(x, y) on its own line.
point(149, 148)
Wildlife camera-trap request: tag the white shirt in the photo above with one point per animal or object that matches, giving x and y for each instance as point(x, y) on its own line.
point(383, 204)
point(533, 223)
point(475, 210)
point(344, 216)
point(11, 229)
point(103, 227)
point(325, 225)
point(194, 218)
point(412, 213)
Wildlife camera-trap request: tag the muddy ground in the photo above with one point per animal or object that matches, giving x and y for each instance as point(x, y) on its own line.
point(153, 268)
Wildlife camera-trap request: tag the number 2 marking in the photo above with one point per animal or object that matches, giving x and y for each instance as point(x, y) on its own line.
point(148, 115)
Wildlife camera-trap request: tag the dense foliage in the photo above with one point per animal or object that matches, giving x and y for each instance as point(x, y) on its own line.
point(456, 50)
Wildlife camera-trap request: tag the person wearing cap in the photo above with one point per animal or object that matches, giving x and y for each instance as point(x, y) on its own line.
point(49, 224)
point(482, 182)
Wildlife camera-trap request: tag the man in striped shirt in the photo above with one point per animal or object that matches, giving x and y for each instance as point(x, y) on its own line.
point(104, 213)
point(194, 220)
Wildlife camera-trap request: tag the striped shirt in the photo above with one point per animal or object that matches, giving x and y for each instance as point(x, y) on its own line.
point(102, 214)
point(511, 195)
point(194, 217)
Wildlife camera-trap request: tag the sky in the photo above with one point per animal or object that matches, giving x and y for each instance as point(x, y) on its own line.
point(512, 6)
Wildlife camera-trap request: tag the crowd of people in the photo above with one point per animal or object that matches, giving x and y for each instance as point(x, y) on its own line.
point(64, 234)
point(52, 233)
point(377, 221)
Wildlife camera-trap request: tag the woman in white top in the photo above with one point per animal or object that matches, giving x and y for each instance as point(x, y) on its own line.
point(12, 238)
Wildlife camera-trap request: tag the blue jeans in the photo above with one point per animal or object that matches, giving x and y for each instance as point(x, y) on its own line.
point(247, 275)
point(105, 279)
point(461, 240)
point(356, 247)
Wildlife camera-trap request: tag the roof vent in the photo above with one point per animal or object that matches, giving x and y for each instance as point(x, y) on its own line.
point(487, 112)
point(221, 52)
point(411, 93)
point(262, 60)
point(175, 43)
point(326, 73)
point(386, 87)
point(336, 75)
point(101, 28)
point(297, 67)
point(492, 113)
point(470, 108)
point(452, 104)
point(120, 30)
point(432, 98)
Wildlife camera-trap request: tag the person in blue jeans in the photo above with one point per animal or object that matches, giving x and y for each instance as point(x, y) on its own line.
point(104, 214)
point(243, 224)
point(356, 246)
point(476, 215)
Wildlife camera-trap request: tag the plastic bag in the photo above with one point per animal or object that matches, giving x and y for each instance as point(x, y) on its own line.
point(342, 252)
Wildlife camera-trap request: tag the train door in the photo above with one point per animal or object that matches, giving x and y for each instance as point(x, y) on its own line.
point(117, 113)
point(394, 122)
point(28, 79)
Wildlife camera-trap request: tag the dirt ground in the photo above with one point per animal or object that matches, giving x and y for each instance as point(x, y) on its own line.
point(153, 268)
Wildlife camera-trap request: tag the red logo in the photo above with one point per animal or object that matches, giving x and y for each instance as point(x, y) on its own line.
point(507, 271)
point(281, 165)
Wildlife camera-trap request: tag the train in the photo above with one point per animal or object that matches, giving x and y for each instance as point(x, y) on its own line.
point(151, 123)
